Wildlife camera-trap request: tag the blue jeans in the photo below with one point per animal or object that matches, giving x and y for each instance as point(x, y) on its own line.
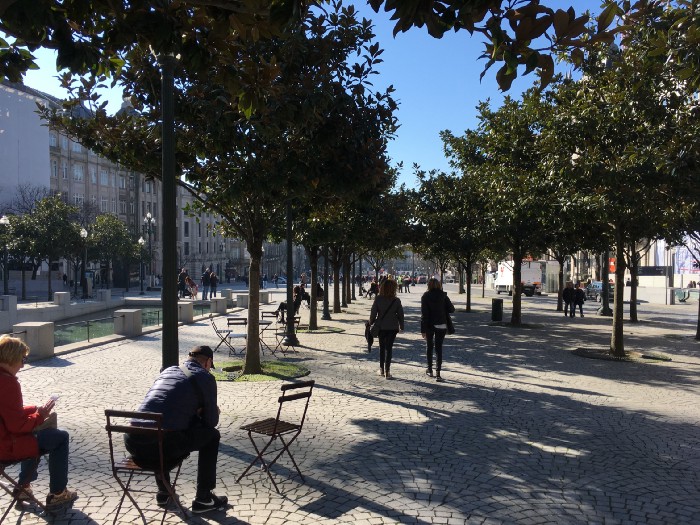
point(205, 291)
point(53, 442)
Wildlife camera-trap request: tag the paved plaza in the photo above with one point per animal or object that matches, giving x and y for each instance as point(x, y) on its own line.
point(521, 432)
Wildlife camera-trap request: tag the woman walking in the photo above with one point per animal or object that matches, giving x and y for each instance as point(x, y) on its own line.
point(435, 308)
point(388, 312)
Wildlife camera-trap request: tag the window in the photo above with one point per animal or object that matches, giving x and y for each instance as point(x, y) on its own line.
point(64, 172)
point(53, 140)
point(104, 177)
point(54, 169)
point(122, 181)
point(78, 198)
point(77, 172)
point(64, 142)
point(207, 247)
point(186, 226)
point(122, 206)
point(76, 147)
point(93, 200)
point(93, 174)
point(113, 178)
point(187, 248)
point(131, 181)
point(103, 204)
point(148, 186)
point(114, 205)
point(148, 207)
point(200, 247)
point(132, 208)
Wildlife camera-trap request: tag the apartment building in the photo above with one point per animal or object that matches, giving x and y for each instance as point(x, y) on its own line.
point(34, 154)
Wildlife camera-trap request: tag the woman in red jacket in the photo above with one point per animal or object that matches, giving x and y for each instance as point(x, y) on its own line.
point(19, 437)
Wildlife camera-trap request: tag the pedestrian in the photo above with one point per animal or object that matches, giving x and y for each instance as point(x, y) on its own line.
point(192, 287)
point(30, 431)
point(579, 299)
point(65, 280)
point(264, 281)
point(182, 282)
point(213, 283)
point(373, 289)
point(206, 283)
point(399, 283)
point(186, 397)
point(275, 279)
point(407, 283)
point(281, 311)
point(388, 312)
point(435, 310)
point(567, 296)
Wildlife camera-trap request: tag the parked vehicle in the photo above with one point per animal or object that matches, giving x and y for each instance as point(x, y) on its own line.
point(531, 278)
point(594, 290)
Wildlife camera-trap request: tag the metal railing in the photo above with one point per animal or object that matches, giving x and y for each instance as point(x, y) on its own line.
point(68, 333)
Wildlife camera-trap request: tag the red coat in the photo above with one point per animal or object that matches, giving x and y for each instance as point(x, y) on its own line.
point(16, 421)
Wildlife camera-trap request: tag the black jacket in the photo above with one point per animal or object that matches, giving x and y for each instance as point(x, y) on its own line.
point(434, 308)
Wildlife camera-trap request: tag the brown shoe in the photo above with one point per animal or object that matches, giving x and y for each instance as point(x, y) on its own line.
point(65, 498)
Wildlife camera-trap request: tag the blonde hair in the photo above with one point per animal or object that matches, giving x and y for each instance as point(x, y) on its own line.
point(388, 288)
point(434, 284)
point(12, 350)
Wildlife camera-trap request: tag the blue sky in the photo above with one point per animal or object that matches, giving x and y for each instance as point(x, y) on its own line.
point(436, 81)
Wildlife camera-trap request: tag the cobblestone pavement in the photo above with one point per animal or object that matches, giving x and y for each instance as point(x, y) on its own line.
point(521, 432)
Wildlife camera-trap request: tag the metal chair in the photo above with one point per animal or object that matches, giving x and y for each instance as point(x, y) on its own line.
point(232, 323)
point(222, 334)
point(281, 333)
point(125, 470)
point(14, 489)
point(275, 428)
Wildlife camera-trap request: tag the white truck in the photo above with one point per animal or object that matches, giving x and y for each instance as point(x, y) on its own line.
point(531, 277)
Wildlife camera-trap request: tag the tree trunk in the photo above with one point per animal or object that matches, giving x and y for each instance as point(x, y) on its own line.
point(697, 329)
point(312, 253)
point(345, 296)
point(634, 277)
point(560, 277)
point(469, 284)
point(50, 298)
point(24, 282)
point(336, 287)
point(483, 281)
point(252, 363)
point(516, 316)
point(617, 344)
point(460, 270)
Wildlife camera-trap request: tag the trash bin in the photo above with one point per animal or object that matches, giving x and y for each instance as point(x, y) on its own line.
point(497, 309)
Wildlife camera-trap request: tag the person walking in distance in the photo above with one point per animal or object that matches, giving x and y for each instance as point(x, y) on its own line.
point(388, 312)
point(567, 296)
point(435, 310)
point(579, 299)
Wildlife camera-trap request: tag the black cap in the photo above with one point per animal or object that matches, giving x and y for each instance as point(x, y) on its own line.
point(204, 350)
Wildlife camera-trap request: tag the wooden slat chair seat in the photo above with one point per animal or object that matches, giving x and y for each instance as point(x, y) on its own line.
point(275, 428)
point(125, 470)
point(13, 488)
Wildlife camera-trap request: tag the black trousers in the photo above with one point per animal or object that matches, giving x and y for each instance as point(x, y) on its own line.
point(176, 446)
point(386, 344)
point(435, 337)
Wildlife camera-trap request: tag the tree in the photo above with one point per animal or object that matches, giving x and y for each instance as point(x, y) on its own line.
point(500, 159)
point(618, 121)
point(111, 240)
point(53, 232)
point(94, 40)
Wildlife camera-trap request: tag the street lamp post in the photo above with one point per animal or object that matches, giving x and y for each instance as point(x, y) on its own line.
point(83, 235)
point(5, 223)
point(141, 272)
point(149, 222)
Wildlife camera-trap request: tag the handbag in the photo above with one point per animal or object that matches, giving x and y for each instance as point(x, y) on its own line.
point(374, 327)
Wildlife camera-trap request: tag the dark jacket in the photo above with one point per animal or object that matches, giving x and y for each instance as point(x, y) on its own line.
point(567, 295)
point(174, 396)
point(393, 320)
point(579, 296)
point(434, 307)
point(17, 422)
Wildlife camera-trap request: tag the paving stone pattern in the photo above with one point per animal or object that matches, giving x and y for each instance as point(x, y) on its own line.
point(521, 432)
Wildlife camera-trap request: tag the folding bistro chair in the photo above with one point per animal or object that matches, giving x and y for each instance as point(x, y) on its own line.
point(275, 428)
point(267, 320)
point(222, 334)
point(13, 488)
point(232, 323)
point(281, 333)
point(125, 470)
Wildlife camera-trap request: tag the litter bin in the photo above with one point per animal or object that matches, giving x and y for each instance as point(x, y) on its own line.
point(497, 309)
